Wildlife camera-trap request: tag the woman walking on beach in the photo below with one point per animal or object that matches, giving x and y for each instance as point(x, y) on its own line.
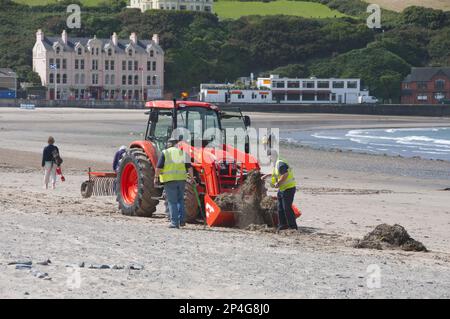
point(51, 160)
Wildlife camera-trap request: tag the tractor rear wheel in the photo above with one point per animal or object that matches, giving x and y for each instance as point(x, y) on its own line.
point(135, 188)
point(190, 203)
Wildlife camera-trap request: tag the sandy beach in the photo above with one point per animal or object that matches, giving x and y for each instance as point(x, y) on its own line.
point(343, 196)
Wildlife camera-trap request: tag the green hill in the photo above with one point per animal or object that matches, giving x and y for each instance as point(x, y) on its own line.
point(236, 9)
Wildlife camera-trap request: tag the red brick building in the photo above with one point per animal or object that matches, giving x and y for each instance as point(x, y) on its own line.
point(426, 86)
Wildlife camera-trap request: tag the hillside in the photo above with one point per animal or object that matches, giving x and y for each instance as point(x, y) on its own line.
point(236, 9)
point(399, 5)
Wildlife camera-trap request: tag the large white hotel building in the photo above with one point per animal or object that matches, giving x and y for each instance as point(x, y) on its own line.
point(101, 69)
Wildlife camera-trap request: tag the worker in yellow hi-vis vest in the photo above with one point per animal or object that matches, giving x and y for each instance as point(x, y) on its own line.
point(172, 170)
point(283, 179)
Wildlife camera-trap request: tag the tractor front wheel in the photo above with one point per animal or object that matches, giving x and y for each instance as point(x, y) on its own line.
point(135, 188)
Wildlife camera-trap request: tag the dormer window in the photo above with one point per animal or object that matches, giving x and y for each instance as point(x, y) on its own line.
point(109, 52)
point(152, 53)
point(130, 52)
point(79, 51)
point(58, 50)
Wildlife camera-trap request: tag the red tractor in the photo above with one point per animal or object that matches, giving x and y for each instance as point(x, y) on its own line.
point(218, 167)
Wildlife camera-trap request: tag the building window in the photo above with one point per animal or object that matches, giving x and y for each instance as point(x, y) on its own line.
point(58, 50)
point(130, 80)
point(106, 65)
point(124, 65)
point(293, 97)
point(112, 80)
point(106, 79)
point(82, 64)
point(338, 84)
point(154, 65)
point(76, 64)
point(352, 84)
point(51, 62)
point(64, 64)
point(293, 84)
point(278, 84)
point(82, 80)
point(154, 80)
point(309, 97)
point(79, 51)
point(135, 65)
point(207, 8)
point(149, 80)
point(136, 80)
point(323, 97)
point(124, 79)
point(111, 65)
point(130, 65)
point(152, 53)
point(323, 84)
point(58, 64)
point(109, 52)
point(52, 78)
point(439, 85)
point(58, 78)
point(94, 78)
point(422, 85)
point(278, 96)
point(94, 64)
point(149, 65)
point(77, 78)
point(130, 52)
point(309, 84)
point(96, 51)
point(64, 78)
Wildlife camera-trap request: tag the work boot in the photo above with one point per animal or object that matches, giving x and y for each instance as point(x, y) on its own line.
point(284, 227)
point(173, 226)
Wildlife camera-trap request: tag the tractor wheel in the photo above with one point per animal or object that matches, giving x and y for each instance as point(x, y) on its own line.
point(190, 203)
point(135, 188)
point(86, 189)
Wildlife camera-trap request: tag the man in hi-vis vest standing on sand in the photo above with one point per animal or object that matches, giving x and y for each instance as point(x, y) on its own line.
point(171, 170)
point(283, 179)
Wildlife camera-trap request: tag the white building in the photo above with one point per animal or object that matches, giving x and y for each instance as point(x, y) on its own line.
point(287, 90)
point(191, 5)
point(91, 68)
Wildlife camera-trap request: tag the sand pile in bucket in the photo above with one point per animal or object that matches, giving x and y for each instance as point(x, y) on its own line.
point(385, 236)
point(251, 204)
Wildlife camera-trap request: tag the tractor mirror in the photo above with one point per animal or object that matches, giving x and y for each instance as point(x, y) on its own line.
point(247, 121)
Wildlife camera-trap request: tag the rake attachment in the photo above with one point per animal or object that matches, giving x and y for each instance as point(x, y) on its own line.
point(99, 184)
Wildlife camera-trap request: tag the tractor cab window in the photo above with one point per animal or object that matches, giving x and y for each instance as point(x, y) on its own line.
point(202, 123)
point(235, 131)
point(161, 130)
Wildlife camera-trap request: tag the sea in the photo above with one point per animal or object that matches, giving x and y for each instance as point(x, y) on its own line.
point(427, 143)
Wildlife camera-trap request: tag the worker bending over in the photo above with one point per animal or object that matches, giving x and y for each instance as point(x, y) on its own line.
point(171, 171)
point(283, 179)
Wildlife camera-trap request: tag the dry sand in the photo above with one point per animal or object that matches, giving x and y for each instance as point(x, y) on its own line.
point(343, 196)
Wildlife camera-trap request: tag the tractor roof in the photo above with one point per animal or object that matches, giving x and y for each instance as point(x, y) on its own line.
point(168, 104)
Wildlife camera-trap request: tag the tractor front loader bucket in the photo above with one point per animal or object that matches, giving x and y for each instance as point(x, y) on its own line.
point(99, 184)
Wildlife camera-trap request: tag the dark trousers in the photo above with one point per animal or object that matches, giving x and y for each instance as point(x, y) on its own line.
point(286, 216)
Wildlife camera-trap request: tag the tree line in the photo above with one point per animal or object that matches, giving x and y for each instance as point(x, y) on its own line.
point(201, 48)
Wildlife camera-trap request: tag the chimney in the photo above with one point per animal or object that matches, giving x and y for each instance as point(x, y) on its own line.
point(115, 39)
point(39, 35)
point(64, 36)
point(155, 38)
point(133, 37)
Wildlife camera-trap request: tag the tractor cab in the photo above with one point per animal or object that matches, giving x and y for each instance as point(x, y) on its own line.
point(197, 123)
